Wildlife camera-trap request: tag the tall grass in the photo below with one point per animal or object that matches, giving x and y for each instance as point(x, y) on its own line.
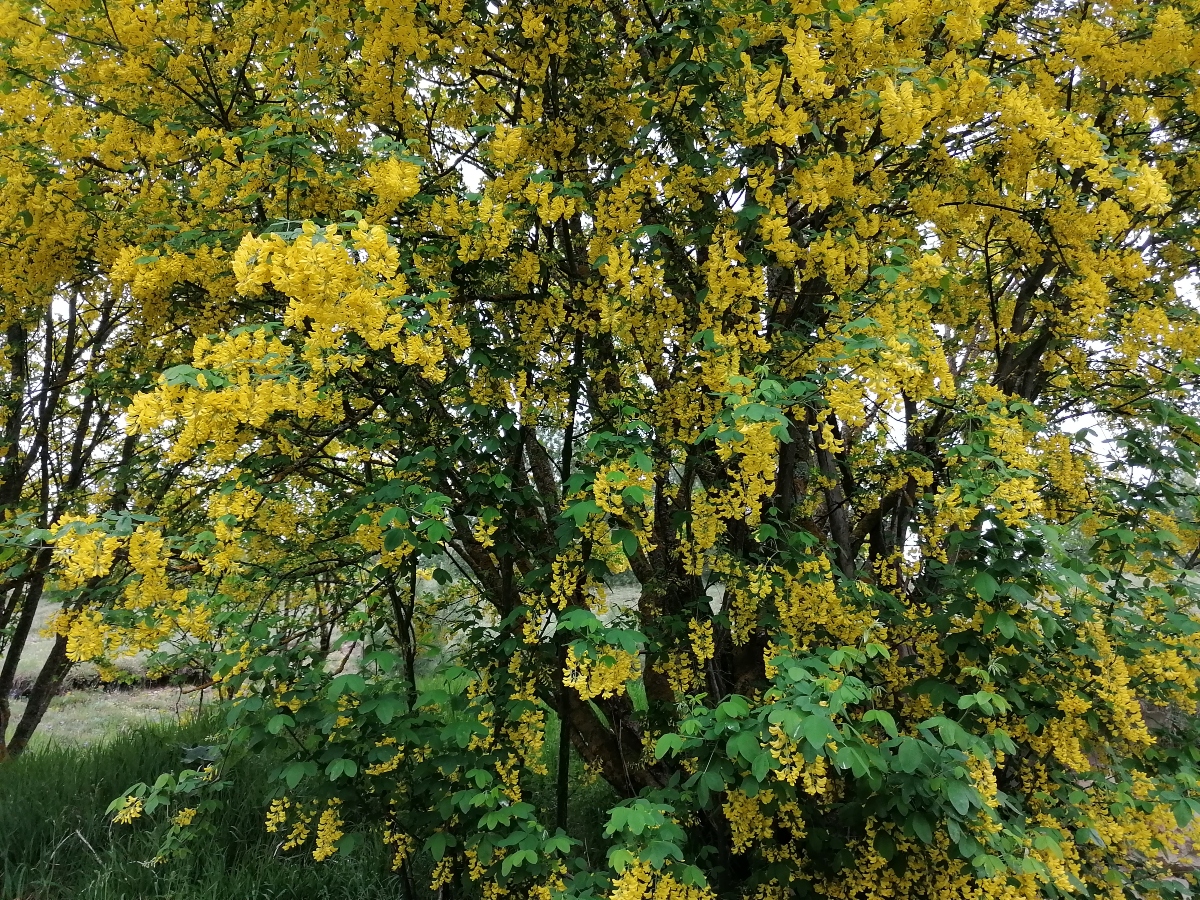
point(56, 841)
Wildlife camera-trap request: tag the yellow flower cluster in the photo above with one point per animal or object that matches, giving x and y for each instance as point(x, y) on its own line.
point(83, 554)
point(87, 636)
point(329, 831)
point(811, 608)
point(702, 532)
point(793, 768)
point(603, 676)
point(390, 764)
point(701, 635)
point(528, 732)
point(393, 181)
point(300, 831)
point(277, 814)
point(1065, 476)
point(484, 531)
point(745, 591)
point(753, 478)
point(747, 823)
point(612, 479)
point(184, 817)
point(132, 809)
point(641, 882)
point(681, 671)
point(1017, 500)
point(1111, 683)
point(401, 843)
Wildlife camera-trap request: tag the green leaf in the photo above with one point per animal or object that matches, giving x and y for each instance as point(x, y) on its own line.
point(761, 765)
point(581, 509)
point(1007, 625)
point(817, 731)
point(668, 743)
point(557, 843)
point(295, 772)
point(436, 532)
point(579, 619)
point(735, 707)
point(394, 538)
point(437, 843)
point(985, 585)
point(884, 718)
point(961, 796)
point(745, 745)
point(885, 846)
point(712, 780)
point(921, 828)
point(387, 707)
point(341, 766)
point(628, 541)
point(349, 681)
point(620, 859)
point(1182, 812)
point(910, 757)
point(658, 851)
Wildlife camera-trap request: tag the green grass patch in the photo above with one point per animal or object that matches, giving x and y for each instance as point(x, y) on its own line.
point(56, 841)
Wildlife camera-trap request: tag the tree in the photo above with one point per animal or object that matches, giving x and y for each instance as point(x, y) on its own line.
point(72, 352)
point(862, 335)
point(61, 426)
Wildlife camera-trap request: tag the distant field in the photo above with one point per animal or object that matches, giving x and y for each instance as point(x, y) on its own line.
point(88, 712)
point(91, 715)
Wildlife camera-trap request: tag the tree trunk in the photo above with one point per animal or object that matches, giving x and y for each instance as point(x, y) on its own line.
point(48, 682)
point(6, 678)
point(12, 657)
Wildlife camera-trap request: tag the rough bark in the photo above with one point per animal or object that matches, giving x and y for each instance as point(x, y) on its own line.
point(16, 646)
point(49, 680)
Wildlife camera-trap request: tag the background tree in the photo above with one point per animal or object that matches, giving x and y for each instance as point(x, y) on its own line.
point(855, 332)
point(62, 427)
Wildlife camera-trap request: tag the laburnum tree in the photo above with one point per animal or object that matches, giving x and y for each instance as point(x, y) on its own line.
point(861, 335)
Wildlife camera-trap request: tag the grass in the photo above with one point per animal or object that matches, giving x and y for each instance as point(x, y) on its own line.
point(95, 715)
point(89, 711)
point(56, 841)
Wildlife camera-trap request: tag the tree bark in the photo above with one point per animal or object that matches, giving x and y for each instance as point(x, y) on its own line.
point(48, 682)
point(12, 656)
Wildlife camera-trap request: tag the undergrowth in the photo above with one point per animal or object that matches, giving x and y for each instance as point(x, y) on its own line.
point(56, 841)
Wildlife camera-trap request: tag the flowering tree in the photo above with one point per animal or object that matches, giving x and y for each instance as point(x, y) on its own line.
point(862, 336)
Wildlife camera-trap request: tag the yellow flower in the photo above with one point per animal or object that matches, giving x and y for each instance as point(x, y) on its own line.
point(605, 676)
point(329, 830)
point(184, 817)
point(131, 810)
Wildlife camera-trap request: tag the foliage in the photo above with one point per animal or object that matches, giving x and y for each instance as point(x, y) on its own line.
point(59, 844)
point(863, 336)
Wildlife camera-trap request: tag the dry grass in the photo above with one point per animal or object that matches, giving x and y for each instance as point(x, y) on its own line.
point(91, 716)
